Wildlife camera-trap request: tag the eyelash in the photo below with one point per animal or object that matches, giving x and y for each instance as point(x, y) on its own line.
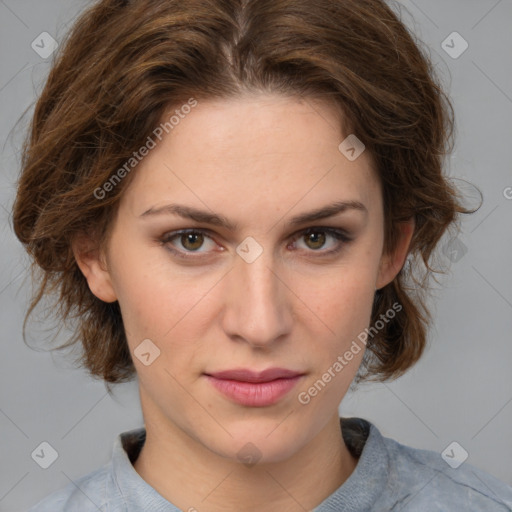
point(339, 235)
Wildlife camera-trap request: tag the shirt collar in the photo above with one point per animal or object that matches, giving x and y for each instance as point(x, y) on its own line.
point(357, 493)
point(134, 491)
point(369, 479)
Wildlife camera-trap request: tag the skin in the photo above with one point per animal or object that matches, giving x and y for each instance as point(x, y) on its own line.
point(258, 160)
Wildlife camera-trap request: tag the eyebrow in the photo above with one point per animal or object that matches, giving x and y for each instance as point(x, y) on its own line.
point(202, 216)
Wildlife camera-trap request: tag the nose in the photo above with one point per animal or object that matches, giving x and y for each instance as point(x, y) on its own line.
point(258, 308)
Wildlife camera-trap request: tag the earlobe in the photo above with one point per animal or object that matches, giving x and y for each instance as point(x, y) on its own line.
point(392, 263)
point(91, 262)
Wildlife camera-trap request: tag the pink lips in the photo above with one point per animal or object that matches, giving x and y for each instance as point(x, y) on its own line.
point(255, 389)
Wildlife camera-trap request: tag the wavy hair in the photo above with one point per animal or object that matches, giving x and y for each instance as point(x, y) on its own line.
point(124, 64)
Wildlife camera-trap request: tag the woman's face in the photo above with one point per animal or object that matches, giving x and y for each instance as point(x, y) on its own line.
point(249, 288)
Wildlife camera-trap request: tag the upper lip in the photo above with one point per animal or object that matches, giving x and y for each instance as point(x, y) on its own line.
point(245, 375)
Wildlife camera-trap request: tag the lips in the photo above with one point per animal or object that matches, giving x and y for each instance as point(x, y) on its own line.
point(243, 375)
point(255, 389)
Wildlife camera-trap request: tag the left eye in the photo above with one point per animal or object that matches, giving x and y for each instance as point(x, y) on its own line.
point(317, 237)
point(192, 240)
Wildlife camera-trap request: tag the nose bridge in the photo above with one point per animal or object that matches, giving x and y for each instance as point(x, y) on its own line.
point(258, 308)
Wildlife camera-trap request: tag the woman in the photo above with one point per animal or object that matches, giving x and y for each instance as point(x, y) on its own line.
point(235, 199)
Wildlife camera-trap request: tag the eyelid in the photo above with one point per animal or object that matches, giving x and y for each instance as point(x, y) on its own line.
point(341, 235)
point(167, 237)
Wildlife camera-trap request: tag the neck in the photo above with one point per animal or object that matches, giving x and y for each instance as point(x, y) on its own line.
point(192, 477)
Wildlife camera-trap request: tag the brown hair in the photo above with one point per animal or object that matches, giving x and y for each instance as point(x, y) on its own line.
point(125, 63)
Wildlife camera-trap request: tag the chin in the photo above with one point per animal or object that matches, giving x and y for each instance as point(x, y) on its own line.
point(257, 443)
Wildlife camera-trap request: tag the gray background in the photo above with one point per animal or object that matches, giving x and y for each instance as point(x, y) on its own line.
point(460, 391)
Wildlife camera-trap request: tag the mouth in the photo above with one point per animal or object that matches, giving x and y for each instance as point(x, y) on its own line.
point(255, 389)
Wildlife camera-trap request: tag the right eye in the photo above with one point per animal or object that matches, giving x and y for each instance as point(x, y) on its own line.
point(190, 239)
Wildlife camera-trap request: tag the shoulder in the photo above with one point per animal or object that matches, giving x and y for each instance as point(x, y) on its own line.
point(104, 489)
point(88, 493)
point(423, 480)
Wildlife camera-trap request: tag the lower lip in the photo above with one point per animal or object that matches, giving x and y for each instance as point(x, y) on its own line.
point(255, 394)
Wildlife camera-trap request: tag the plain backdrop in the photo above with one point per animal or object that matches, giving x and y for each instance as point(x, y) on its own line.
point(460, 391)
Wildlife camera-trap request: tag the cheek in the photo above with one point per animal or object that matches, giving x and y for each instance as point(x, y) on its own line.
point(345, 298)
point(137, 274)
point(339, 349)
point(348, 317)
point(143, 293)
point(170, 309)
point(344, 305)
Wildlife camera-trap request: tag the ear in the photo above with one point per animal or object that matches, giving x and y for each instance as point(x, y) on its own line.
point(392, 263)
point(92, 262)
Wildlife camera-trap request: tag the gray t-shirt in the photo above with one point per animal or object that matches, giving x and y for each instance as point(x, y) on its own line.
point(388, 477)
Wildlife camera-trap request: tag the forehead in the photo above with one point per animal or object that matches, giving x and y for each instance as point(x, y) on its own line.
point(258, 151)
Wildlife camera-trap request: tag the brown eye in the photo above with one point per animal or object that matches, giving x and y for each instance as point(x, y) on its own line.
point(192, 241)
point(315, 239)
point(323, 241)
point(186, 242)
